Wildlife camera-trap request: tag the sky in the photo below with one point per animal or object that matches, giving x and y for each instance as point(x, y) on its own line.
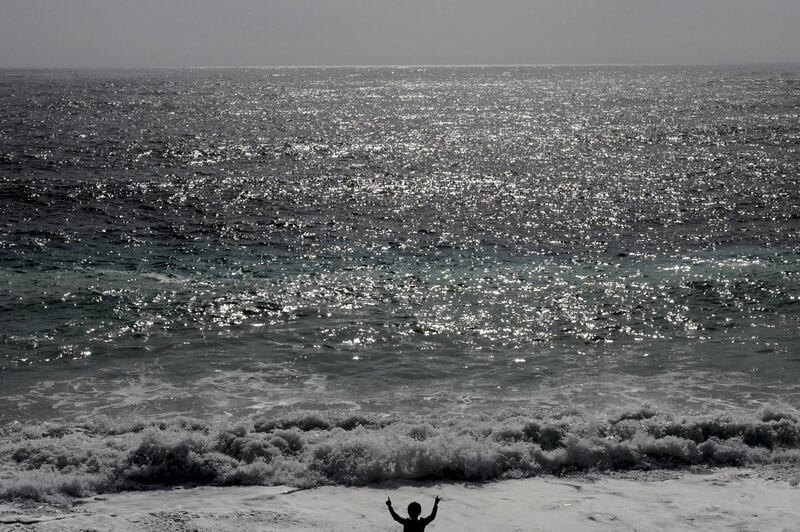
point(186, 33)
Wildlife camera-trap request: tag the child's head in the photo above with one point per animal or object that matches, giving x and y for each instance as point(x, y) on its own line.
point(414, 509)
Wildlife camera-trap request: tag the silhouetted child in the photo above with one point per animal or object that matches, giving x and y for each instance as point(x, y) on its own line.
point(413, 523)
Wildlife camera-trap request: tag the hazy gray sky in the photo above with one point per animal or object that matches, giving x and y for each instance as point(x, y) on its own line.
point(173, 33)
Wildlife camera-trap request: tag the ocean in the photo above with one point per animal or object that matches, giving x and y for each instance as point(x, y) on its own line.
point(314, 276)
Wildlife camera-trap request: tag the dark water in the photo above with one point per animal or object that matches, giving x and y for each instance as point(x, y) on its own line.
point(425, 242)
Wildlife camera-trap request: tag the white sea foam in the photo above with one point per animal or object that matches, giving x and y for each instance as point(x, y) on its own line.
point(314, 448)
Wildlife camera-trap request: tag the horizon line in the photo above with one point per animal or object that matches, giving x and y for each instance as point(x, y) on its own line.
point(406, 65)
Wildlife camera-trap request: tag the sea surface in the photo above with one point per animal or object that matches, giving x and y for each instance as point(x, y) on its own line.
point(346, 275)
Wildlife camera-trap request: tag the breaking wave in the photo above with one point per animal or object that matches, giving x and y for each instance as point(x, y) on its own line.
point(306, 449)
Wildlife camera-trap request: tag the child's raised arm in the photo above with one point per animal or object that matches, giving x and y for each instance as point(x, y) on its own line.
point(433, 512)
point(394, 514)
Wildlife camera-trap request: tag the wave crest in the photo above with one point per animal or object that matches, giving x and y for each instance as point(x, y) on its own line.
point(313, 448)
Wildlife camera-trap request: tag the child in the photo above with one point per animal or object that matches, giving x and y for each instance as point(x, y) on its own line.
point(413, 523)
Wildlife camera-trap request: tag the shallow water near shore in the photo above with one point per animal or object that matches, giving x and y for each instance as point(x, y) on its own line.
point(365, 274)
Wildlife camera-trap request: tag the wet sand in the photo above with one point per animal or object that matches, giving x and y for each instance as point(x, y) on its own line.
point(729, 499)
